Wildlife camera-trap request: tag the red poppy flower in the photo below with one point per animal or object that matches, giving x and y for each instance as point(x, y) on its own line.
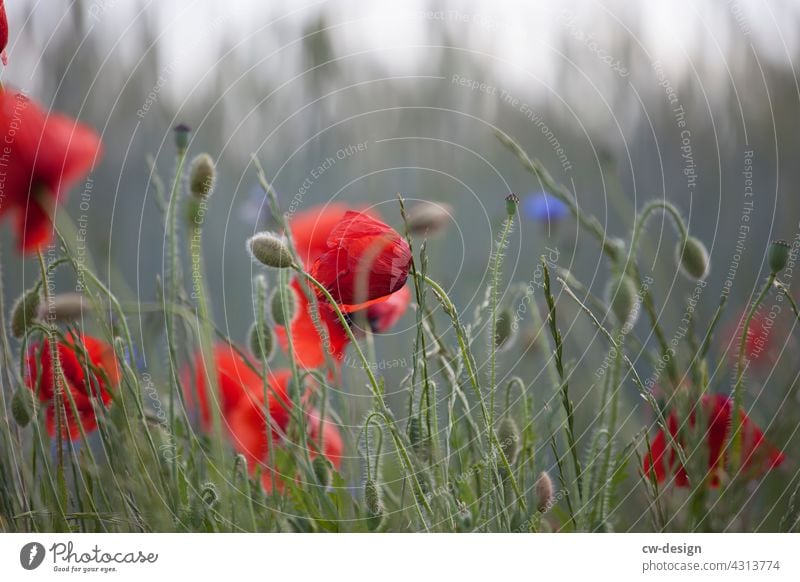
point(758, 456)
point(89, 369)
point(235, 380)
point(3, 32)
point(366, 261)
point(309, 346)
point(44, 155)
point(248, 430)
point(759, 343)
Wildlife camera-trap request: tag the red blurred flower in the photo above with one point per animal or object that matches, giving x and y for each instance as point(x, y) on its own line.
point(44, 155)
point(309, 346)
point(3, 32)
point(382, 316)
point(312, 227)
point(236, 381)
point(248, 426)
point(758, 456)
point(366, 261)
point(758, 346)
point(89, 369)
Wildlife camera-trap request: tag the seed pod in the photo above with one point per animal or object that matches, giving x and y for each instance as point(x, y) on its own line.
point(622, 295)
point(201, 176)
point(261, 345)
point(464, 517)
point(322, 470)
point(504, 333)
point(279, 296)
point(544, 492)
point(778, 255)
point(269, 249)
point(24, 312)
point(429, 218)
point(372, 501)
point(22, 406)
point(693, 258)
point(508, 435)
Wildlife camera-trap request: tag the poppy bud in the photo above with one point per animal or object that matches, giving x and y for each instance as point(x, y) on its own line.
point(778, 255)
point(419, 442)
point(372, 500)
point(201, 176)
point(22, 406)
point(24, 312)
point(322, 470)
point(280, 296)
point(464, 517)
point(504, 334)
point(544, 492)
point(261, 345)
point(62, 308)
point(622, 295)
point(512, 201)
point(429, 218)
point(693, 258)
point(508, 435)
point(182, 133)
point(269, 249)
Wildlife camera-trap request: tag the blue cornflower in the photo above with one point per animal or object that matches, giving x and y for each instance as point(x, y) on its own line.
point(543, 207)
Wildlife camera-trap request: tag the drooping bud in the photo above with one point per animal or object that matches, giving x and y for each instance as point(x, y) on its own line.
point(201, 176)
point(263, 344)
point(429, 218)
point(504, 333)
point(778, 255)
point(512, 202)
point(182, 133)
point(24, 312)
point(622, 296)
point(280, 296)
point(270, 249)
point(508, 435)
point(544, 492)
point(693, 258)
point(63, 308)
point(372, 501)
point(22, 406)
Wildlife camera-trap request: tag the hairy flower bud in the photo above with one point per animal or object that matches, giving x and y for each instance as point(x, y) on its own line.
point(64, 307)
point(22, 406)
point(280, 296)
point(693, 258)
point(622, 296)
point(269, 249)
point(322, 470)
point(778, 255)
point(201, 176)
point(429, 218)
point(544, 492)
point(372, 501)
point(261, 345)
point(24, 312)
point(508, 435)
point(209, 494)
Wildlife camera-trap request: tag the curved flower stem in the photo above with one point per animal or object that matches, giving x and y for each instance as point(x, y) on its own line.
point(736, 437)
point(498, 262)
point(377, 393)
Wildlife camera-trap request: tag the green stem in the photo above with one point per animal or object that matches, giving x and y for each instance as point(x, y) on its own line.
point(736, 438)
point(498, 262)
